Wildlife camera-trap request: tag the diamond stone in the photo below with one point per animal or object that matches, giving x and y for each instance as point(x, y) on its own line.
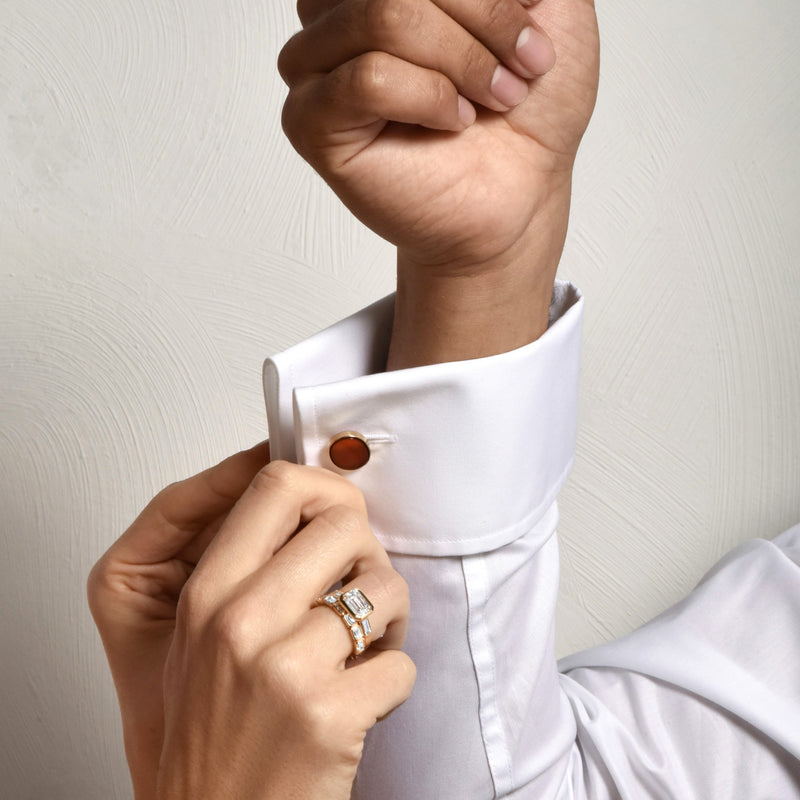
point(348, 619)
point(332, 599)
point(367, 627)
point(357, 604)
point(357, 632)
point(360, 646)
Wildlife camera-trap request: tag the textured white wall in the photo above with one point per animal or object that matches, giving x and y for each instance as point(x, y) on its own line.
point(158, 238)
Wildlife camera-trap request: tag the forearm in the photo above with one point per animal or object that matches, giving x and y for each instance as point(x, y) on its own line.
point(458, 312)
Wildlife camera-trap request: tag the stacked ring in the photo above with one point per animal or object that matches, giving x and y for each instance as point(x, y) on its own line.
point(353, 608)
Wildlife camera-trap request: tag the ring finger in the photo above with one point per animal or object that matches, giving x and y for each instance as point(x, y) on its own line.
point(339, 633)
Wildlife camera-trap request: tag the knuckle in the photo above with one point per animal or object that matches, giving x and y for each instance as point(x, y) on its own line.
point(288, 117)
point(386, 20)
point(167, 491)
point(97, 576)
point(478, 61)
point(369, 75)
point(318, 715)
point(355, 497)
point(293, 115)
point(345, 520)
point(306, 11)
point(403, 669)
point(194, 600)
point(278, 666)
point(497, 13)
point(391, 584)
point(278, 476)
point(345, 517)
point(283, 63)
point(285, 673)
point(96, 585)
point(399, 672)
point(235, 630)
point(442, 93)
point(287, 59)
point(165, 496)
point(397, 587)
point(348, 493)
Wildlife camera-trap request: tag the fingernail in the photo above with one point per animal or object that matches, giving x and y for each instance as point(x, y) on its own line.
point(466, 111)
point(535, 51)
point(507, 88)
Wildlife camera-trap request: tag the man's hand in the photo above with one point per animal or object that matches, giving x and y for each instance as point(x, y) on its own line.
point(377, 107)
point(381, 104)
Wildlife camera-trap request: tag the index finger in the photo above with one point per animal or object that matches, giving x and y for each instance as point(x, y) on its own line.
point(281, 498)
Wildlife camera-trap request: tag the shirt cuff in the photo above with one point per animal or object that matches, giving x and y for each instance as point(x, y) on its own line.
point(465, 456)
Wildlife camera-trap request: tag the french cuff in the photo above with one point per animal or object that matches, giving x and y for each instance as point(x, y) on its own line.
point(464, 457)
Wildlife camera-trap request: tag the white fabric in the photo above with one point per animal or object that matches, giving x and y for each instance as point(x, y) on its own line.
point(467, 459)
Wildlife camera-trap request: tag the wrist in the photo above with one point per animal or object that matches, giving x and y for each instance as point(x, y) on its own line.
point(453, 312)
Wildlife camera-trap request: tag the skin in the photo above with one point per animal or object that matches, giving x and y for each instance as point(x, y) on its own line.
point(230, 683)
point(478, 211)
point(444, 138)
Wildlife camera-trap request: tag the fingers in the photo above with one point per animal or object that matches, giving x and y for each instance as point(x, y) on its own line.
point(363, 94)
point(469, 44)
point(280, 499)
point(311, 659)
point(386, 590)
point(508, 30)
point(379, 685)
point(248, 608)
point(178, 513)
point(338, 542)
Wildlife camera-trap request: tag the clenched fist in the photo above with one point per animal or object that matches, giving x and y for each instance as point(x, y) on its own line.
point(449, 127)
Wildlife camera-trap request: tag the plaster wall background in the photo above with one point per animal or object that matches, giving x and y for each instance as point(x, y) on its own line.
point(159, 238)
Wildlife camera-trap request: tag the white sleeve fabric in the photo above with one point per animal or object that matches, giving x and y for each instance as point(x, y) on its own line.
point(467, 459)
point(703, 702)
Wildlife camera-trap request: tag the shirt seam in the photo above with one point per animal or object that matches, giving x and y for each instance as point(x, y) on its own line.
point(498, 756)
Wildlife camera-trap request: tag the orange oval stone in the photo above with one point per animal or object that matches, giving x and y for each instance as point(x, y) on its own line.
point(349, 450)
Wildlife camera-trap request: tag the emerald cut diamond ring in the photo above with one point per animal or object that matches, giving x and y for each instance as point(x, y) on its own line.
point(353, 608)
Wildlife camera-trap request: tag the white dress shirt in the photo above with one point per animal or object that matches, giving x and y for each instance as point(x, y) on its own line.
point(467, 459)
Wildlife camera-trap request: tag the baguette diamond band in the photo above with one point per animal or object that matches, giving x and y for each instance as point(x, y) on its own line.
point(353, 608)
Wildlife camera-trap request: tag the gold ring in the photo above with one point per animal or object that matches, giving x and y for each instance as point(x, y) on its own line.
point(353, 608)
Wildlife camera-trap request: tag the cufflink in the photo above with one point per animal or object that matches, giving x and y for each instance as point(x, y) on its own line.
point(348, 450)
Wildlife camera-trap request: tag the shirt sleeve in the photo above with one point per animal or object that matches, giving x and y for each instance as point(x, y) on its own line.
point(704, 700)
point(466, 460)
